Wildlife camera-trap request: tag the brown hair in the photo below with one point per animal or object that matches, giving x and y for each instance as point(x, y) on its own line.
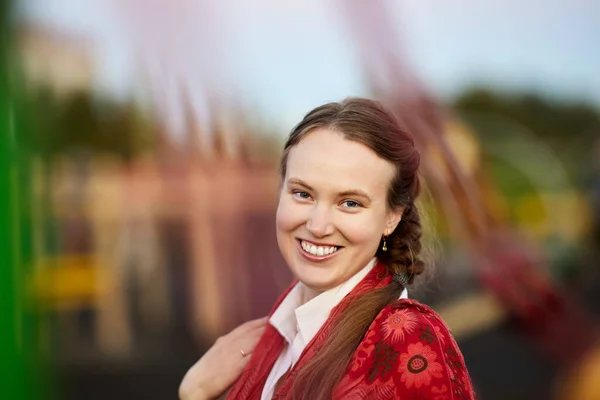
point(367, 122)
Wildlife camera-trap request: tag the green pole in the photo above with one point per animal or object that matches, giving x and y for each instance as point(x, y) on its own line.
point(17, 342)
point(11, 360)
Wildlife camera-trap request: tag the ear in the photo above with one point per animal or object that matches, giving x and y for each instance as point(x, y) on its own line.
point(392, 220)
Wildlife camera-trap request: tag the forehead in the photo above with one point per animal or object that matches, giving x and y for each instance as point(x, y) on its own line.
point(324, 157)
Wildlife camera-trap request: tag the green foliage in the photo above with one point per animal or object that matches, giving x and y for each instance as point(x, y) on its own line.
point(568, 128)
point(81, 122)
point(550, 119)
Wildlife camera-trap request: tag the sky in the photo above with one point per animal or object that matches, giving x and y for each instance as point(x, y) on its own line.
point(287, 57)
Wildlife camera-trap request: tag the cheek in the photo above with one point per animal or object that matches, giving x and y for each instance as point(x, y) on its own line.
point(359, 234)
point(289, 215)
point(361, 230)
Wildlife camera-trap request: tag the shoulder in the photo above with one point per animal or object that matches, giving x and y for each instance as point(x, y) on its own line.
point(409, 350)
point(410, 327)
point(405, 318)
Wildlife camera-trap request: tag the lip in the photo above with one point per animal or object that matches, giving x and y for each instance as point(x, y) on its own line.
point(313, 258)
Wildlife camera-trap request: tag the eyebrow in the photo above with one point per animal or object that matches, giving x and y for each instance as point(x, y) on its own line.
point(345, 193)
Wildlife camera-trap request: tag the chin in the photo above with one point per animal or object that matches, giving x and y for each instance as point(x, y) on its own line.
point(316, 283)
point(318, 278)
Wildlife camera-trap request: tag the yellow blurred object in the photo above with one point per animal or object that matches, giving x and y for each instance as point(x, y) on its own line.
point(583, 381)
point(531, 213)
point(67, 281)
point(483, 309)
point(544, 214)
point(464, 144)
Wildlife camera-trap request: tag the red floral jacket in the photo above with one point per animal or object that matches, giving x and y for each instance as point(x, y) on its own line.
point(407, 353)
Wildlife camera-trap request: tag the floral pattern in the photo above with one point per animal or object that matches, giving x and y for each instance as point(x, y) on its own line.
point(440, 393)
point(408, 350)
point(362, 355)
point(399, 324)
point(440, 335)
point(418, 366)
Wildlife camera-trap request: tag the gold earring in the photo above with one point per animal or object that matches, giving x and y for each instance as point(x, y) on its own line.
point(384, 246)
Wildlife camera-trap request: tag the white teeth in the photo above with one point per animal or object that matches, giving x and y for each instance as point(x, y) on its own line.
point(317, 250)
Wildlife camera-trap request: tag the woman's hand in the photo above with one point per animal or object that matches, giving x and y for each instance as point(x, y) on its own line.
point(222, 364)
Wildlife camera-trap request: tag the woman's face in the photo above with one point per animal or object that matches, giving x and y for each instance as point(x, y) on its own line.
point(332, 208)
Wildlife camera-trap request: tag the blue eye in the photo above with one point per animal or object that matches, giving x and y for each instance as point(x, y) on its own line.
point(351, 204)
point(301, 195)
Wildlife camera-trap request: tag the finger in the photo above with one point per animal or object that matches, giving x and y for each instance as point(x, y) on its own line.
point(250, 325)
point(256, 331)
point(243, 362)
point(248, 343)
point(256, 323)
point(234, 342)
point(252, 342)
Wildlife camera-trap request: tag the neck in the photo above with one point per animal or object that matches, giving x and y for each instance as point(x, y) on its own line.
point(308, 294)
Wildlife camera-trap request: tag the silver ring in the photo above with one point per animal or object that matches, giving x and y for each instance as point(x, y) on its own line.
point(243, 353)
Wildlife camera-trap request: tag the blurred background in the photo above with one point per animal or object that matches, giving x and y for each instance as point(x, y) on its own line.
point(140, 145)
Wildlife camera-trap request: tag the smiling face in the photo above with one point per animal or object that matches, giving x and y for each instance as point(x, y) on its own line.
point(333, 208)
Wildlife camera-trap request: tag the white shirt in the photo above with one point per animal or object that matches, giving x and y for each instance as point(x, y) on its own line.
point(299, 320)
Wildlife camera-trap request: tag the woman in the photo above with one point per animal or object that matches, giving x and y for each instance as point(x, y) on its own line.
point(349, 230)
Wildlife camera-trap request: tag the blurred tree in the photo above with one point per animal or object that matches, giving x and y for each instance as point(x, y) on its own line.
point(569, 128)
point(83, 123)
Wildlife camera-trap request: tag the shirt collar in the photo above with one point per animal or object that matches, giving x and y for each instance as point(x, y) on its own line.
point(294, 315)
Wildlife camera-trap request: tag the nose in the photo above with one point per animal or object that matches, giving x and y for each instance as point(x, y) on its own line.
point(320, 222)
